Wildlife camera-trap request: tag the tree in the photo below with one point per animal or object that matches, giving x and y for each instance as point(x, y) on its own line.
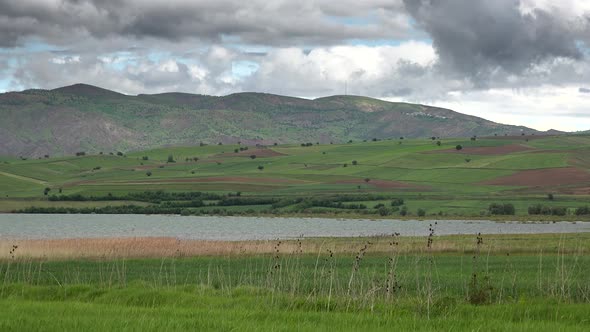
point(260, 167)
point(171, 159)
point(236, 150)
point(148, 173)
point(119, 153)
point(459, 147)
point(253, 156)
point(367, 180)
point(383, 211)
point(501, 209)
point(403, 211)
point(438, 143)
point(397, 202)
point(467, 160)
point(421, 212)
point(46, 191)
point(550, 196)
point(354, 162)
point(145, 158)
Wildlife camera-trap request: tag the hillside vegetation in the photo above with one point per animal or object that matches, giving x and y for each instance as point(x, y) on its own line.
point(87, 118)
point(543, 176)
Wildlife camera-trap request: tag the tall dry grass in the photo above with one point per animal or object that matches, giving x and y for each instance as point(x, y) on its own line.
point(159, 247)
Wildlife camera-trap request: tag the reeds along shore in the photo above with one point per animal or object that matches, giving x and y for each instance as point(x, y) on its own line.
point(157, 247)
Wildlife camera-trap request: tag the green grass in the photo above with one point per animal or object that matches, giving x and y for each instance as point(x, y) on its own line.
point(454, 181)
point(525, 292)
point(247, 311)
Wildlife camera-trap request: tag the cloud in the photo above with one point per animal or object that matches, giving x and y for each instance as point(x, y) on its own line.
point(584, 90)
point(480, 39)
point(129, 73)
point(252, 22)
point(324, 71)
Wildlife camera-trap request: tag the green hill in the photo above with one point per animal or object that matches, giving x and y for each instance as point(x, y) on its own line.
point(91, 119)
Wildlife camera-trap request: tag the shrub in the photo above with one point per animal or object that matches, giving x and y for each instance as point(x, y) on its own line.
point(148, 173)
point(559, 211)
point(403, 211)
point(501, 209)
point(459, 147)
point(397, 202)
point(354, 162)
point(145, 158)
point(421, 212)
point(171, 159)
point(550, 197)
point(383, 211)
point(539, 209)
point(582, 211)
point(253, 156)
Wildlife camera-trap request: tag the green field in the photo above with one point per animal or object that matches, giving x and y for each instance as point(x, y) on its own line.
point(436, 178)
point(489, 286)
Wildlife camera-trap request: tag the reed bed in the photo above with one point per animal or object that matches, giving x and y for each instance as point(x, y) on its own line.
point(159, 247)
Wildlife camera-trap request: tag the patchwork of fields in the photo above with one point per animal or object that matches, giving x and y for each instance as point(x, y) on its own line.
point(437, 178)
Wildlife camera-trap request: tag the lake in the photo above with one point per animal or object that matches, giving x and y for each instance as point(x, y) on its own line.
point(61, 226)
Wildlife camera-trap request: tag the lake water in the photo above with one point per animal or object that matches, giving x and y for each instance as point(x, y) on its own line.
point(60, 226)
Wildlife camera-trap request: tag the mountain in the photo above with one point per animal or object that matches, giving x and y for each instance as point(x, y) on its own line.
point(87, 118)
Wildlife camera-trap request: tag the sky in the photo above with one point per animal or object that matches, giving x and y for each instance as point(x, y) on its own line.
point(524, 62)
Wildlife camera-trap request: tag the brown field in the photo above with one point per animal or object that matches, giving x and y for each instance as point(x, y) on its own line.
point(543, 177)
point(110, 248)
point(488, 150)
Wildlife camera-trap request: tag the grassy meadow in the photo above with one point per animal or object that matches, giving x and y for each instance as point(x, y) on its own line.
point(492, 283)
point(428, 175)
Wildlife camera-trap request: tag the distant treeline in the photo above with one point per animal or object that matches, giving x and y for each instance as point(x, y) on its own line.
point(230, 198)
point(145, 196)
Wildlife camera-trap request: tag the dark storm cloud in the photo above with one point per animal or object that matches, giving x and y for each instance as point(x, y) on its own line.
point(255, 22)
point(476, 38)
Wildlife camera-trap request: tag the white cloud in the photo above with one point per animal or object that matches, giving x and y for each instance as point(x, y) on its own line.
point(546, 107)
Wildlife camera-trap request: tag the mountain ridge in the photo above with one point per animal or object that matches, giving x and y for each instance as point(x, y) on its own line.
point(83, 117)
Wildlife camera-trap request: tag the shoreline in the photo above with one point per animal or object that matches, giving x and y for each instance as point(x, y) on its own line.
point(499, 219)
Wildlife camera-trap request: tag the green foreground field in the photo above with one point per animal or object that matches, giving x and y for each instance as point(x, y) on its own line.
point(488, 284)
point(438, 179)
